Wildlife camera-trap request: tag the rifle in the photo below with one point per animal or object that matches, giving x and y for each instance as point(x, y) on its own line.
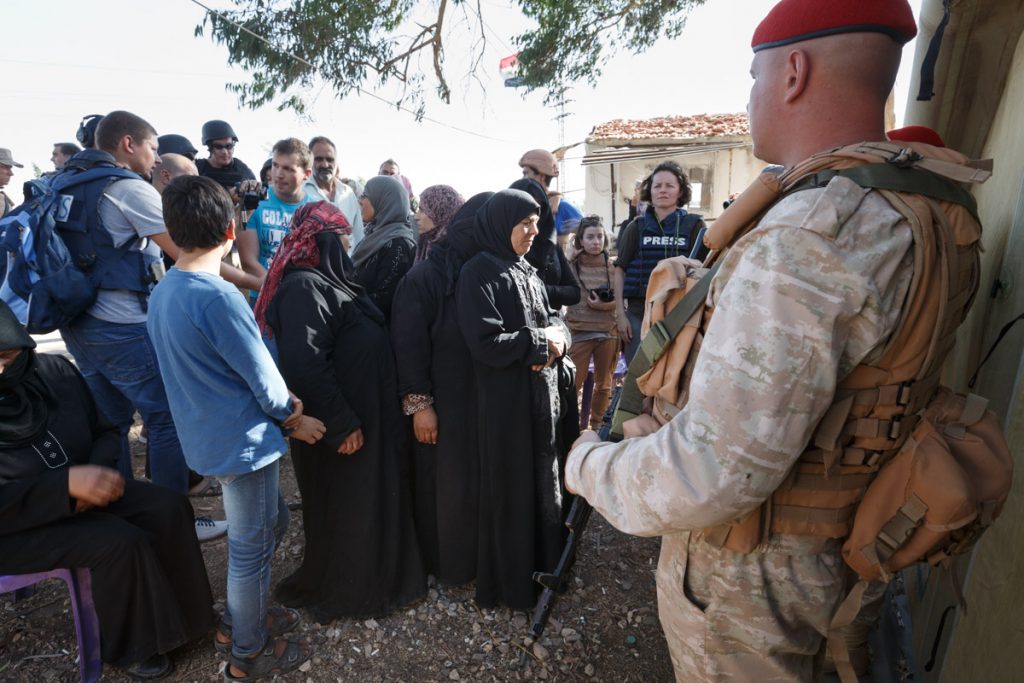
point(555, 582)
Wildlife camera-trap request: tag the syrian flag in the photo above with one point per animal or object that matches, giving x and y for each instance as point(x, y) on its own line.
point(509, 70)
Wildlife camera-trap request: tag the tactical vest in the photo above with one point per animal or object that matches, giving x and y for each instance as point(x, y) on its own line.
point(876, 406)
point(673, 237)
point(81, 228)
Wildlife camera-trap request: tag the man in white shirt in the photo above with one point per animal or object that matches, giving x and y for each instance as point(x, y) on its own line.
point(325, 184)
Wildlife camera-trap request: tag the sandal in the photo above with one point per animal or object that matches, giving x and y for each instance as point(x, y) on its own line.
point(206, 488)
point(269, 662)
point(280, 620)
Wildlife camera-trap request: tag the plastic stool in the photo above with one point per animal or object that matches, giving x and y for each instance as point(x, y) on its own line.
point(87, 625)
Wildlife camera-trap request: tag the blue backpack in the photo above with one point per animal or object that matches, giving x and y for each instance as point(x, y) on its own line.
point(45, 283)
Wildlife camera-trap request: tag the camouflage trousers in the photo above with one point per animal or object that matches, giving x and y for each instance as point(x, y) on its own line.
point(758, 617)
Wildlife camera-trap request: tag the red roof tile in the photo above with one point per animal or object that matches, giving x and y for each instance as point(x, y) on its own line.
point(672, 127)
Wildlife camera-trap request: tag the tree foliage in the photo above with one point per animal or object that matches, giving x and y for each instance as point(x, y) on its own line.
point(285, 45)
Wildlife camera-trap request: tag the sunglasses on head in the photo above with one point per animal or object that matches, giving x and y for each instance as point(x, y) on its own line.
point(228, 146)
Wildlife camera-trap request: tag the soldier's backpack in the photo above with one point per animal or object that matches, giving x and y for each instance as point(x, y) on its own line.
point(54, 252)
point(904, 470)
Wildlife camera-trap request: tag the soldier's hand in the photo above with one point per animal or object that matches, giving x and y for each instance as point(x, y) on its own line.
point(641, 425)
point(588, 436)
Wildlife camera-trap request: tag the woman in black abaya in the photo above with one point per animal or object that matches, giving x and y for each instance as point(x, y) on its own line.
point(361, 557)
point(545, 255)
point(438, 390)
point(518, 348)
point(64, 504)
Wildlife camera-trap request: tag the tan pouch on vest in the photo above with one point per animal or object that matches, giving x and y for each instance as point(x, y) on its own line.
point(909, 509)
point(938, 494)
point(668, 378)
point(975, 438)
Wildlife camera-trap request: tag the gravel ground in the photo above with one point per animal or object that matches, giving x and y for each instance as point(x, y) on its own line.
point(604, 629)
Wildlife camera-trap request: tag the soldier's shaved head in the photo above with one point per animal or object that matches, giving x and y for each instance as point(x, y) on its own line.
point(821, 93)
point(170, 167)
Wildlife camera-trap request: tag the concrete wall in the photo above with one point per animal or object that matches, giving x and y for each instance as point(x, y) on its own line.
point(988, 641)
point(720, 173)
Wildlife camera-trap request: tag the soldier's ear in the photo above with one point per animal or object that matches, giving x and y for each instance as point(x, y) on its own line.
point(798, 70)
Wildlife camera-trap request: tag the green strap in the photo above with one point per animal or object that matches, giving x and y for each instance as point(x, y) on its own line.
point(886, 176)
point(653, 346)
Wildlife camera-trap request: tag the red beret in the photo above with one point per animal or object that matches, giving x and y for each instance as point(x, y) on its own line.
point(792, 21)
point(916, 134)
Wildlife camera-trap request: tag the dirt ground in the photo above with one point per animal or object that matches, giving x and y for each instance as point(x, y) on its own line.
point(604, 629)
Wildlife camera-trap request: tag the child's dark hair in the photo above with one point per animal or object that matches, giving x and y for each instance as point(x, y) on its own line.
point(197, 212)
point(675, 169)
point(591, 221)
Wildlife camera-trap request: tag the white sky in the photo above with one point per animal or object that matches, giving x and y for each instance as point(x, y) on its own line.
point(63, 59)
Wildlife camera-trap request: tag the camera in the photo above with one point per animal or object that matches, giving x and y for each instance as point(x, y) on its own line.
point(604, 294)
point(250, 200)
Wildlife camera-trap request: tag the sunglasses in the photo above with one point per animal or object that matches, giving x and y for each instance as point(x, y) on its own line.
point(230, 146)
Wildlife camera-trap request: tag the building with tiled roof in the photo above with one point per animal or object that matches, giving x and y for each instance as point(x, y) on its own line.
point(671, 128)
point(714, 149)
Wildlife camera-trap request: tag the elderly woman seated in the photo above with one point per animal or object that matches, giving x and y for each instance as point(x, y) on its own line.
point(64, 504)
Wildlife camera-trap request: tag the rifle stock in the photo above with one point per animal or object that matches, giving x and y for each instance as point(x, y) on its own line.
point(554, 583)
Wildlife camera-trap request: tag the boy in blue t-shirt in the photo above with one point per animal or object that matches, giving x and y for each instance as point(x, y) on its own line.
point(232, 410)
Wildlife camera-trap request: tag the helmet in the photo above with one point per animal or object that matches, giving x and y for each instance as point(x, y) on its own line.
point(87, 130)
point(176, 144)
point(217, 129)
point(542, 160)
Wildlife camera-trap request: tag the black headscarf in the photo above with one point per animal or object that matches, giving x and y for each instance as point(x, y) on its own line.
point(496, 218)
point(24, 396)
point(544, 245)
point(459, 243)
point(335, 266)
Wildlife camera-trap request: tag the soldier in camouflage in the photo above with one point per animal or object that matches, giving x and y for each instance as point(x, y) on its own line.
point(815, 289)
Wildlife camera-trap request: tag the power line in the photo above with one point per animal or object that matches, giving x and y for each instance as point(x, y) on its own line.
point(64, 65)
point(358, 89)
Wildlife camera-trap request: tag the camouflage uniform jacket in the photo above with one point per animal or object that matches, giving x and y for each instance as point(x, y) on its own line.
point(815, 289)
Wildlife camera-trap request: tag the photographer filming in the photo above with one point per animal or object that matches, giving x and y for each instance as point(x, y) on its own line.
point(222, 166)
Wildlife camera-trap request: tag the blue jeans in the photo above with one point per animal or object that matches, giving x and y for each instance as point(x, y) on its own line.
point(120, 367)
point(251, 505)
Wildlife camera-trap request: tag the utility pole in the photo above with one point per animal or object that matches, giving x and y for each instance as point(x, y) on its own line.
point(560, 118)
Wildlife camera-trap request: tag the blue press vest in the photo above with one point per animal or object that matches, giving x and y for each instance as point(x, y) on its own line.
point(654, 243)
point(82, 231)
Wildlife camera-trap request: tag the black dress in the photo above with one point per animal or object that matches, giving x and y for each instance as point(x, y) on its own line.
point(361, 557)
point(525, 426)
point(148, 578)
point(382, 271)
point(432, 359)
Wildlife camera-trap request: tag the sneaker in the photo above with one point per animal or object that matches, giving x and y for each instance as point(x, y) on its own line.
point(210, 529)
